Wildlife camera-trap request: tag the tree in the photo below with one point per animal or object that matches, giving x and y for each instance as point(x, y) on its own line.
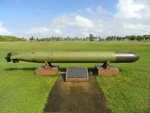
point(11, 38)
point(91, 37)
point(119, 38)
point(31, 39)
point(146, 37)
point(139, 38)
point(110, 38)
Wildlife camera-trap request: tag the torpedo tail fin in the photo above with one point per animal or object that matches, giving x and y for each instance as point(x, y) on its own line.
point(8, 57)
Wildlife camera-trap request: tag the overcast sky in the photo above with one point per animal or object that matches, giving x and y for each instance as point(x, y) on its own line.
point(46, 18)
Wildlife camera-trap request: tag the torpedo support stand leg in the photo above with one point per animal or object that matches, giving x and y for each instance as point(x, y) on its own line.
point(107, 70)
point(47, 69)
point(47, 65)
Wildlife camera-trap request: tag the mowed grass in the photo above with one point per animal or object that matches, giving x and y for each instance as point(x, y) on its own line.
point(21, 91)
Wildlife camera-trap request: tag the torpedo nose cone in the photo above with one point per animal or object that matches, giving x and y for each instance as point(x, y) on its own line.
point(126, 57)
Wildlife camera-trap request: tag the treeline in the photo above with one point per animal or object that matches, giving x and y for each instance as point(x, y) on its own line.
point(129, 38)
point(10, 38)
point(91, 37)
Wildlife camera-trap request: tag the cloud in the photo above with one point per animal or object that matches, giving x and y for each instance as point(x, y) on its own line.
point(129, 9)
point(4, 31)
point(41, 11)
point(81, 21)
point(77, 21)
point(41, 32)
point(79, 10)
point(45, 31)
point(73, 25)
point(131, 18)
point(99, 10)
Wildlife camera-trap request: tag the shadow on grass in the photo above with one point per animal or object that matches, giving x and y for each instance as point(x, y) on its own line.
point(14, 69)
point(62, 70)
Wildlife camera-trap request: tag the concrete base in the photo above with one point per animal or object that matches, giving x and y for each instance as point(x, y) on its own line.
point(77, 79)
point(77, 74)
point(53, 70)
point(111, 71)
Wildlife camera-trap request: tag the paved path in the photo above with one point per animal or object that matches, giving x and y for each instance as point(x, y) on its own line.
point(76, 97)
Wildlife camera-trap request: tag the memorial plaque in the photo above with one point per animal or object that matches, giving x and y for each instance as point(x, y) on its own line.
point(77, 74)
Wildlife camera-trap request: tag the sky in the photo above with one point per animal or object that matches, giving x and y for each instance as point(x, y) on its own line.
point(47, 18)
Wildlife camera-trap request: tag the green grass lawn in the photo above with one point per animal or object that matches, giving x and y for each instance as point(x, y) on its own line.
point(21, 91)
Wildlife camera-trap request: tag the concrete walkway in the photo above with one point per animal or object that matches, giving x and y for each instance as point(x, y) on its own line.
point(76, 97)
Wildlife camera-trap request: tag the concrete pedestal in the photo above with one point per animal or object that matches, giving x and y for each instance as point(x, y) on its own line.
point(110, 71)
point(53, 70)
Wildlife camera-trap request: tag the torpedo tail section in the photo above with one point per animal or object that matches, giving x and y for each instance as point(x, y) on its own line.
point(9, 57)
